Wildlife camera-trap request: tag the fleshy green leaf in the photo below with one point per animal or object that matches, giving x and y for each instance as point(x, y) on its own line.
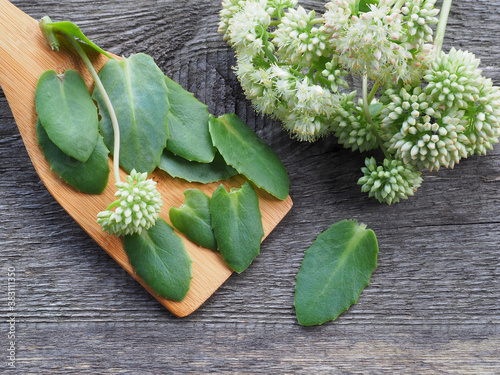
point(193, 218)
point(160, 258)
point(137, 90)
point(249, 155)
point(335, 270)
point(188, 125)
point(364, 5)
point(90, 177)
point(67, 113)
point(193, 171)
point(237, 225)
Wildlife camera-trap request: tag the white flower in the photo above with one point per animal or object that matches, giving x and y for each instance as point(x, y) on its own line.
point(136, 209)
point(300, 42)
point(247, 27)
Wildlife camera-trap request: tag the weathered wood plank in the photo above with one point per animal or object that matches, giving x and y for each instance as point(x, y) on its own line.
point(433, 305)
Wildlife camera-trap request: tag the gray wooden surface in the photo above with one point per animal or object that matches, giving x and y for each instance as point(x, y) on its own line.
point(433, 305)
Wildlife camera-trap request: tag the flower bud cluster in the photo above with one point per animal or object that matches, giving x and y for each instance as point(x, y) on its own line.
point(350, 126)
point(391, 181)
point(420, 135)
point(299, 41)
point(137, 207)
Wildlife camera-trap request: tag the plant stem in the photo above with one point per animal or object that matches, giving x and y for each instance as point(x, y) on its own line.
point(375, 87)
point(107, 101)
point(398, 5)
point(369, 120)
point(441, 27)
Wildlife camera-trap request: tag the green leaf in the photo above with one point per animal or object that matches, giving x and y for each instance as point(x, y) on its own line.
point(193, 171)
point(188, 125)
point(375, 109)
point(67, 113)
point(137, 90)
point(249, 155)
point(193, 218)
point(160, 258)
point(363, 5)
point(237, 225)
point(90, 177)
point(68, 28)
point(335, 270)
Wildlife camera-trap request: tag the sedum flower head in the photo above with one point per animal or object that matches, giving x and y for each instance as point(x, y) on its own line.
point(351, 128)
point(418, 16)
point(137, 207)
point(247, 28)
point(310, 110)
point(369, 43)
point(454, 79)
point(482, 128)
point(420, 135)
point(299, 41)
point(391, 181)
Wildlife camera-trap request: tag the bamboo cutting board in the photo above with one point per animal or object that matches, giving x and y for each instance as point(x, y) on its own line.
point(24, 56)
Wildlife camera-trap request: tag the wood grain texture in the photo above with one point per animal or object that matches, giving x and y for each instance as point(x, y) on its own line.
point(433, 305)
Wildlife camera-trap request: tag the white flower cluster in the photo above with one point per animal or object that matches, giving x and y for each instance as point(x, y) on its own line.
point(137, 206)
point(350, 126)
point(435, 109)
point(384, 42)
point(299, 41)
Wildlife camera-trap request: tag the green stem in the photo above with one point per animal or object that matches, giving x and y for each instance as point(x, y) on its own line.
point(373, 92)
point(107, 101)
point(398, 5)
point(441, 27)
point(366, 109)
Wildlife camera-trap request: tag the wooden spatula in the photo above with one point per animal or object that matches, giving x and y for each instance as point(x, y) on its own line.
point(24, 56)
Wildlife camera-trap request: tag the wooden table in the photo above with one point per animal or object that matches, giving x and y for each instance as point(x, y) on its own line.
point(433, 305)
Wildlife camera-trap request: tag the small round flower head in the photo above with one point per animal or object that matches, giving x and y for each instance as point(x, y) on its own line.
point(309, 111)
point(351, 128)
point(420, 135)
point(391, 181)
point(247, 28)
point(454, 79)
point(418, 16)
point(482, 129)
point(137, 206)
point(300, 42)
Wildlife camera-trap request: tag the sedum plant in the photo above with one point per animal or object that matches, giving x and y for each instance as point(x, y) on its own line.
point(422, 107)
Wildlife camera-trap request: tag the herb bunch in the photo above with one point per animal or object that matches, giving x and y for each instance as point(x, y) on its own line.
point(426, 109)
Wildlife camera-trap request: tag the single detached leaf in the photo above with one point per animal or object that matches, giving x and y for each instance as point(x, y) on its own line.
point(335, 270)
point(160, 258)
point(90, 177)
point(249, 155)
point(137, 90)
point(67, 113)
point(188, 125)
point(237, 225)
point(193, 218)
point(192, 171)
